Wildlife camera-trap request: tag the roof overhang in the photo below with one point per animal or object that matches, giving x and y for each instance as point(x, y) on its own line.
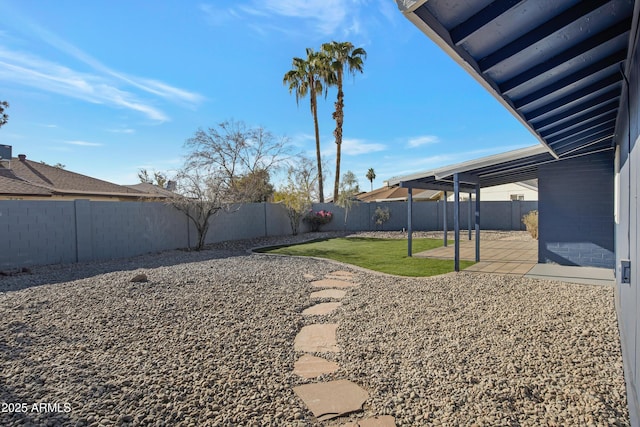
point(513, 166)
point(555, 65)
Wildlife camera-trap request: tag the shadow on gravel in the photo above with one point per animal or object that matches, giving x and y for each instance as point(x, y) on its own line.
point(51, 274)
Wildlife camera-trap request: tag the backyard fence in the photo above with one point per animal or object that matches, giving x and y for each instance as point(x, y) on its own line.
point(61, 232)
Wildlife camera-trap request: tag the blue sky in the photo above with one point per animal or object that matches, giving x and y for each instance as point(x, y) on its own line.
point(107, 88)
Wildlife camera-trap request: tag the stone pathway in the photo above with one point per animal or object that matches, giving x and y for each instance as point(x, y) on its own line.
point(328, 400)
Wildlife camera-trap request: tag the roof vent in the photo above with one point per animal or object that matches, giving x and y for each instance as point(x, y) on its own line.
point(22, 157)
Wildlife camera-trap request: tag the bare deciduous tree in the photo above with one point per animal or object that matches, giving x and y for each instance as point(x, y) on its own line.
point(159, 178)
point(200, 197)
point(227, 165)
point(232, 152)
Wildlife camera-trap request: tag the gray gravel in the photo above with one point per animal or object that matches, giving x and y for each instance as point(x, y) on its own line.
point(208, 340)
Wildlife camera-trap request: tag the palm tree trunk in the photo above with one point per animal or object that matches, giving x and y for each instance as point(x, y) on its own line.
point(338, 115)
point(314, 109)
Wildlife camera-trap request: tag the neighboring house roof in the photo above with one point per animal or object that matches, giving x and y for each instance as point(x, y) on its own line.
point(24, 177)
point(396, 193)
point(145, 187)
point(11, 184)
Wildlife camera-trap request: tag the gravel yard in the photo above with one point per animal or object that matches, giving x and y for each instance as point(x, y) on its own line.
point(208, 340)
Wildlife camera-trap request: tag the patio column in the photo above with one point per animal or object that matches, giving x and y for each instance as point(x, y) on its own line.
point(456, 221)
point(409, 224)
point(444, 211)
point(469, 219)
point(478, 222)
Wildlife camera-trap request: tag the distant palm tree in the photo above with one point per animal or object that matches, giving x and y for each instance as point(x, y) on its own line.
point(371, 175)
point(306, 78)
point(342, 56)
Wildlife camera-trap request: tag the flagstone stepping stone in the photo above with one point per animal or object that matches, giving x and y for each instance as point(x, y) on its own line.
point(339, 275)
point(383, 421)
point(329, 293)
point(321, 309)
point(311, 366)
point(309, 276)
point(318, 338)
point(332, 399)
point(333, 283)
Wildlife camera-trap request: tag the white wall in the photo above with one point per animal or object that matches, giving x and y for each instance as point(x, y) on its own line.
point(502, 193)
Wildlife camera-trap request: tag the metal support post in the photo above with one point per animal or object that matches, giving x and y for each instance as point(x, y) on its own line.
point(409, 223)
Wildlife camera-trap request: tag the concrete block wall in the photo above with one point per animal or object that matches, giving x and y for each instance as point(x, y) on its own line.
point(37, 233)
point(576, 224)
point(54, 232)
point(132, 228)
point(429, 216)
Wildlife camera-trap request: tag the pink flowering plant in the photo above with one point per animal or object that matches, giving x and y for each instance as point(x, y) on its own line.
point(318, 218)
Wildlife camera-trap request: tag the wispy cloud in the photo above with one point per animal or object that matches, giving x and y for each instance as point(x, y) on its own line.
point(324, 18)
point(84, 143)
point(125, 131)
point(101, 85)
point(419, 141)
point(355, 147)
point(216, 16)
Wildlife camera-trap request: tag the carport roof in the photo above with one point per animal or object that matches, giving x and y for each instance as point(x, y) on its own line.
point(556, 65)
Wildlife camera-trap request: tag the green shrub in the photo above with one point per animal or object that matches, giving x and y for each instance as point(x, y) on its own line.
point(530, 221)
point(380, 216)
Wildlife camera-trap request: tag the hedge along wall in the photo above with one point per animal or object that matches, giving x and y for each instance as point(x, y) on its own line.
point(60, 232)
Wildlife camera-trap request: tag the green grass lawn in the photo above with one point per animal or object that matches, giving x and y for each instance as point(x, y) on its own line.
point(384, 255)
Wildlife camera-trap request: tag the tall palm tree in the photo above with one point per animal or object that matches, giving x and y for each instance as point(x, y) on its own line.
point(306, 78)
point(371, 175)
point(343, 57)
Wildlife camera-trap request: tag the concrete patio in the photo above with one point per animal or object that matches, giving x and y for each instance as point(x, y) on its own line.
point(519, 258)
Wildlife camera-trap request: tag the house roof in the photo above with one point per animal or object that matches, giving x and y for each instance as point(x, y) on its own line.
point(145, 187)
point(25, 177)
point(555, 65)
point(11, 184)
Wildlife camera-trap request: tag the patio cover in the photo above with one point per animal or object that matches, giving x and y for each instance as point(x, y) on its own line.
point(557, 66)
